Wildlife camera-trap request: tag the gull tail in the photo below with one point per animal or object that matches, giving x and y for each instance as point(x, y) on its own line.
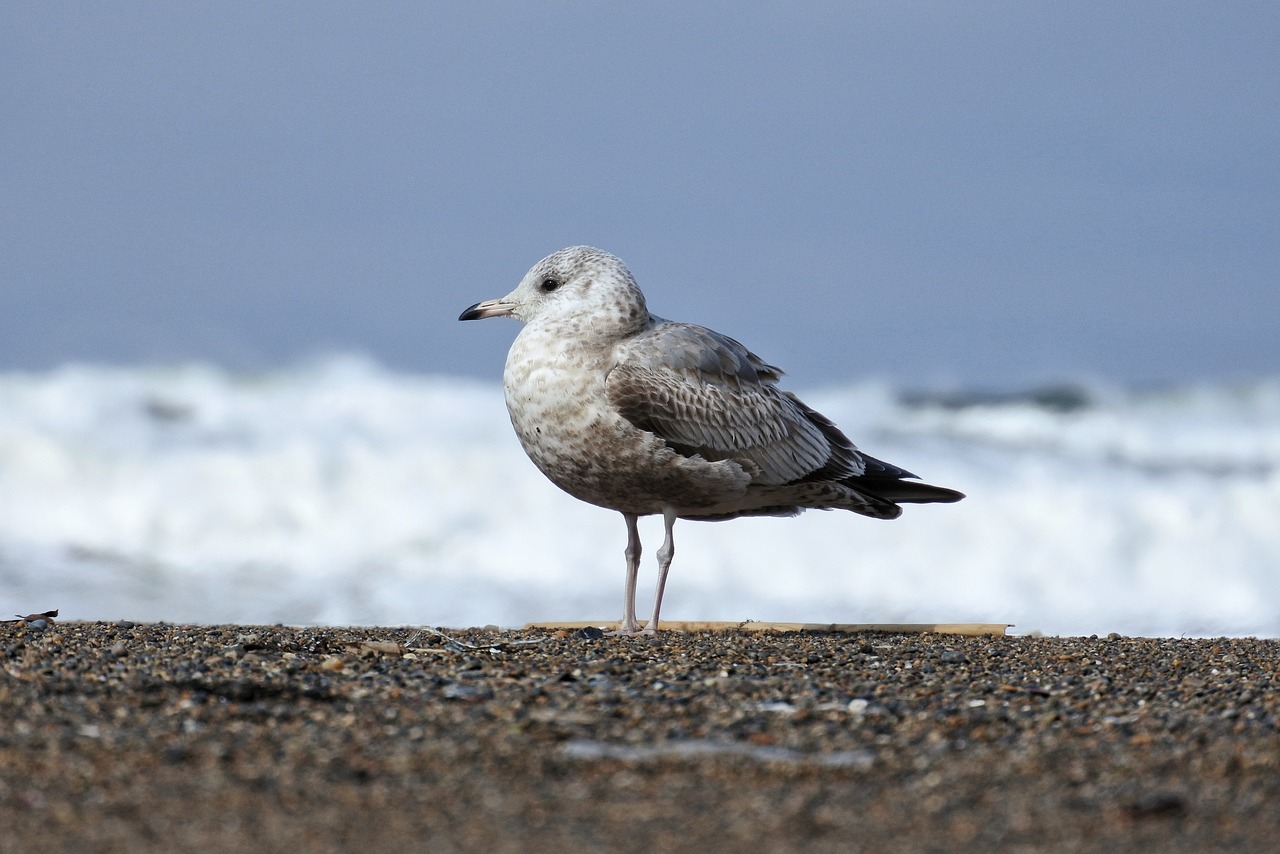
point(886, 481)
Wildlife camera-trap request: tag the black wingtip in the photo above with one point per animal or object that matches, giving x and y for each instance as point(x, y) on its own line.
point(909, 492)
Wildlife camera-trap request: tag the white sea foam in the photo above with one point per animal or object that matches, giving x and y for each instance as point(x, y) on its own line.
point(341, 493)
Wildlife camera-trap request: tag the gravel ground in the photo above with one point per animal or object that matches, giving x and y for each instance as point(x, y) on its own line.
point(116, 736)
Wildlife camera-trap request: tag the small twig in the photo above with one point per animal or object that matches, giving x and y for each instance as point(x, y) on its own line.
point(455, 645)
point(31, 618)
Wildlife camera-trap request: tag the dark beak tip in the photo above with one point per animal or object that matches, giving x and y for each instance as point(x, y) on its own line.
point(470, 313)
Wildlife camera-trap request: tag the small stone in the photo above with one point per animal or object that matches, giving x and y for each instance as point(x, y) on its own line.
point(175, 753)
point(1157, 805)
point(463, 691)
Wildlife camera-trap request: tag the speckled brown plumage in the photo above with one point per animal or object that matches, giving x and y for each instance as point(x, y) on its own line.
point(630, 412)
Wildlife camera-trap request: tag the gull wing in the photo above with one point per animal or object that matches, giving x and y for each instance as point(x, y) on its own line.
point(705, 394)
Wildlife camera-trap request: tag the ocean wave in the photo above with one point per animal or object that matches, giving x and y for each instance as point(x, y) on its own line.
point(342, 492)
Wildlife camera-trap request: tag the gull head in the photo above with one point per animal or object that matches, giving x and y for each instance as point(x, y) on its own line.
point(588, 289)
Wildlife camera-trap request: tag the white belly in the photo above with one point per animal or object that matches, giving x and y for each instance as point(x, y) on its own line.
point(555, 394)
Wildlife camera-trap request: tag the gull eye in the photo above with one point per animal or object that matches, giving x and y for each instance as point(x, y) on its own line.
point(549, 284)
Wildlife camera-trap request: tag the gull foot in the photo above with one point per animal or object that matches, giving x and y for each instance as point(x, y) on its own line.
point(633, 630)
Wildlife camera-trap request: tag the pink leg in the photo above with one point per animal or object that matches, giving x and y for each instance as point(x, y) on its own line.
point(629, 624)
point(665, 554)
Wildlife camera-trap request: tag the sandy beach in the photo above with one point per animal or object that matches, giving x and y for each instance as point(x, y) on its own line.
point(116, 736)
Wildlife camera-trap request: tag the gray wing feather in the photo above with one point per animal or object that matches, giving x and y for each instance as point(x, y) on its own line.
point(706, 394)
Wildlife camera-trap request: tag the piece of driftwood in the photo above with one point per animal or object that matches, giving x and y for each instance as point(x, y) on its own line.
point(753, 626)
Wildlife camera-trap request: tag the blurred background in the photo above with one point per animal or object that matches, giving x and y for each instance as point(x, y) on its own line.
point(1027, 251)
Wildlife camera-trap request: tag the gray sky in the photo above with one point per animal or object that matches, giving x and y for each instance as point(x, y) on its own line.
point(980, 193)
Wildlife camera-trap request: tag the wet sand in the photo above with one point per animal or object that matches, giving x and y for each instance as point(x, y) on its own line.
point(118, 737)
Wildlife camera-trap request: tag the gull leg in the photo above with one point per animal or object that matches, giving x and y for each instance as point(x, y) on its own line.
point(665, 554)
point(629, 625)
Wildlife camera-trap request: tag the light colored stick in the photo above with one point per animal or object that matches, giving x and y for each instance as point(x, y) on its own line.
point(753, 626)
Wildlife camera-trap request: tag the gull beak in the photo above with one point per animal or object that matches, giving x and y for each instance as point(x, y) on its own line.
point(488, 308)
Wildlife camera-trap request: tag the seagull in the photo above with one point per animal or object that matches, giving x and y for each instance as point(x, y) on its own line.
point(634, 413)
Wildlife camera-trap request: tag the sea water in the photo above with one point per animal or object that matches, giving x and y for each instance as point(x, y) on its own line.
point(340, 492)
